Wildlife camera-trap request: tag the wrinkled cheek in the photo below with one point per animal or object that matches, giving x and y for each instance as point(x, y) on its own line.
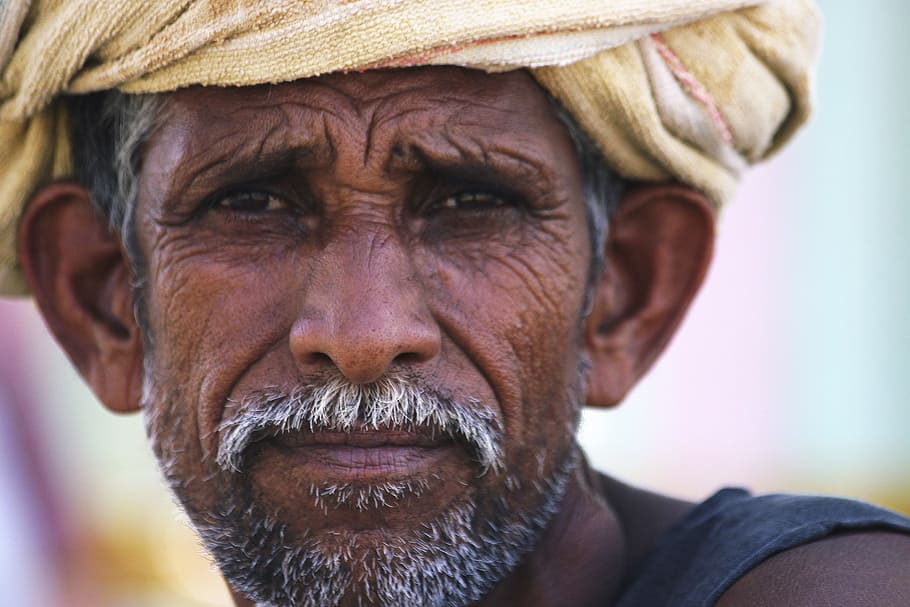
point(547, 346)
point(525, 337)
point(200, 327)
point(174, 441)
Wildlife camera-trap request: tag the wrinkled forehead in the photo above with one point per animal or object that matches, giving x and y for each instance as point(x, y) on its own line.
point(365, 92)
point(503, 105)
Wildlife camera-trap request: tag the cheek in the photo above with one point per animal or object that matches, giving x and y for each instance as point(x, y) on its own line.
point(213, 313)
point(515, 313)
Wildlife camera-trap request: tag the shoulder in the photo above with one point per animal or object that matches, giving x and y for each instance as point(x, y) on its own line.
point(792, 550)
point(857, 568)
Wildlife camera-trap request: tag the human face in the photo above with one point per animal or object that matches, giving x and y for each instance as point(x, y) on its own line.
point(420, 224)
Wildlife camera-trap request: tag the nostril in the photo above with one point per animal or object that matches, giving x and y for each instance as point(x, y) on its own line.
point(410, 358)
point(317, 359)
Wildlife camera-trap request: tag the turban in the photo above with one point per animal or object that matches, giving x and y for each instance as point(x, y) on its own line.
point(691, 90)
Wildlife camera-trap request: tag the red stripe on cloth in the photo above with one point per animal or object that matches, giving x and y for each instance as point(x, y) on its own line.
point(695, 88)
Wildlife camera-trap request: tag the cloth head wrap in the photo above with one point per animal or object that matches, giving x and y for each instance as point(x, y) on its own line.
point(692, 90)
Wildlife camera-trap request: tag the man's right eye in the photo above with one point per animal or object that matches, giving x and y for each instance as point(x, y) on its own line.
point(251, 202)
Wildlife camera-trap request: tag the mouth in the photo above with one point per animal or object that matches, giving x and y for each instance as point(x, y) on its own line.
point(362, 454)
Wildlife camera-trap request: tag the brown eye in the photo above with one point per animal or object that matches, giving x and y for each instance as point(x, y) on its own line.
point(470, 201)
point(251, 202)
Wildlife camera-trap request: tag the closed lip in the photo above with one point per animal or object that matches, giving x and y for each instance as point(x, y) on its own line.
point(363, 438)
point(363, 455)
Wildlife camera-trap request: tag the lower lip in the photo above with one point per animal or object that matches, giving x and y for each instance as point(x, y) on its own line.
point(344, 462)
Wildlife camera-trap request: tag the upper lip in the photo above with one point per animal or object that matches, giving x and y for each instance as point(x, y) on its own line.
point(363, 437)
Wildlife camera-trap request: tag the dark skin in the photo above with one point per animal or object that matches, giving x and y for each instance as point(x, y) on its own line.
point(444, 208)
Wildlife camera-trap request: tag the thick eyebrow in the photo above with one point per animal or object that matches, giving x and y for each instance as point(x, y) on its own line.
point(473, 159)
point(246, 167)
point(241, 156)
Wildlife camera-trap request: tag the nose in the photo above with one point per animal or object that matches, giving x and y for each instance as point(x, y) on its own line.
point(363, 312)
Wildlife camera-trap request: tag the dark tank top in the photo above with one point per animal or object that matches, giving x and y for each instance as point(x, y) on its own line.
point(732, 532)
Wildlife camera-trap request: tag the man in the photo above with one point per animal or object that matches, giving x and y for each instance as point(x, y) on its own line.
point(361, 297)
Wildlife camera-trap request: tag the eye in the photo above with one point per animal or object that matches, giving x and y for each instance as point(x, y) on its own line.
point(470, 201)
point(251, 202)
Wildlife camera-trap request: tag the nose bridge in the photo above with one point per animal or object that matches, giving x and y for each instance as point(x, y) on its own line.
point(365, 307)
point(373, 281)
point(372, 249)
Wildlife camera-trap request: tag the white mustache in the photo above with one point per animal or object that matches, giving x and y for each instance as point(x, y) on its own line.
point(335, 404)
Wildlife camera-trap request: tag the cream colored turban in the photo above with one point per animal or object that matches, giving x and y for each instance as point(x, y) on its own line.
point(688, 89)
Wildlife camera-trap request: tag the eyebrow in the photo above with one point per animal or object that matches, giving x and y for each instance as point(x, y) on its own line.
point(482, 161)
point(243, 163)
point(471, 153)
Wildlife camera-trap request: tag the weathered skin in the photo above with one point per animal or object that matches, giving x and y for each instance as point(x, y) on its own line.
point(429, 220)
point(357, 264)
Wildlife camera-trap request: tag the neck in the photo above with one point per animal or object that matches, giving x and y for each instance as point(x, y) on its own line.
point(580, 559)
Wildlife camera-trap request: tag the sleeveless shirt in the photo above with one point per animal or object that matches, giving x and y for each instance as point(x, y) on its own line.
point(706, 552)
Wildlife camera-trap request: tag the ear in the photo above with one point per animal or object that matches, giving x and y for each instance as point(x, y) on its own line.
point(658, 249)
point(80, 278)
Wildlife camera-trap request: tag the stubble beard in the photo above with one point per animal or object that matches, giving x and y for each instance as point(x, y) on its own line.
point(454, 559)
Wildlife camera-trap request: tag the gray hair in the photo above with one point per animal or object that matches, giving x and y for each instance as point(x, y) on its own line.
point(108, 131)
point(110, 128)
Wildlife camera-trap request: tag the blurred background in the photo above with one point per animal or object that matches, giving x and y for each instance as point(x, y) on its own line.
point(790, 373)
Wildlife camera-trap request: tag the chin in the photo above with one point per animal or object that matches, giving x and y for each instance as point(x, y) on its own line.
point(455, 557)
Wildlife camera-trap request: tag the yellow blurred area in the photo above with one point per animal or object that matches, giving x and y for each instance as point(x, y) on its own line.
point(141, 557)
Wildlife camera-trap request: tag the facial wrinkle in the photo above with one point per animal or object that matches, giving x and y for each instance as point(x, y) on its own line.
point(458, 151)
point(370, 218)
point(286, 141)
point(381, 245)
point(370, 130)
point(532, 278)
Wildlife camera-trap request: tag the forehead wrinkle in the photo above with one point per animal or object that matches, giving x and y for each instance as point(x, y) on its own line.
point(447, 149)
point(490, 106)
point(342, 108)
point(283, 141)
point(437, 112)
point(293, 124)
point(333, 109)
point(410, 109)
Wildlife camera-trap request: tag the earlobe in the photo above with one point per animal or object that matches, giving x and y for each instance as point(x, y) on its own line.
point(80, 278)
point(659, 248)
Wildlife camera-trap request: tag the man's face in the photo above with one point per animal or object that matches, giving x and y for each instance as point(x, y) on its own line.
point(366, 234)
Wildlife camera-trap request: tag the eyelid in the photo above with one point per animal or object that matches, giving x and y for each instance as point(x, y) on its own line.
point(273, 200)
point(457, 178)
point(486, 200)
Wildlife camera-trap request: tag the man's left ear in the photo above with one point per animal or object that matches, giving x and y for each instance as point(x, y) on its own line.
point(79, 276)
point(658, 249)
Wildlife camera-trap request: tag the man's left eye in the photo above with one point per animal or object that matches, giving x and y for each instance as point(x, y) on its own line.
point(470, 201)
point(251, 202)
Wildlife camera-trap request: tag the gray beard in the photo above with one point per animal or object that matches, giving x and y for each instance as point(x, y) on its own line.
point(454, 559)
